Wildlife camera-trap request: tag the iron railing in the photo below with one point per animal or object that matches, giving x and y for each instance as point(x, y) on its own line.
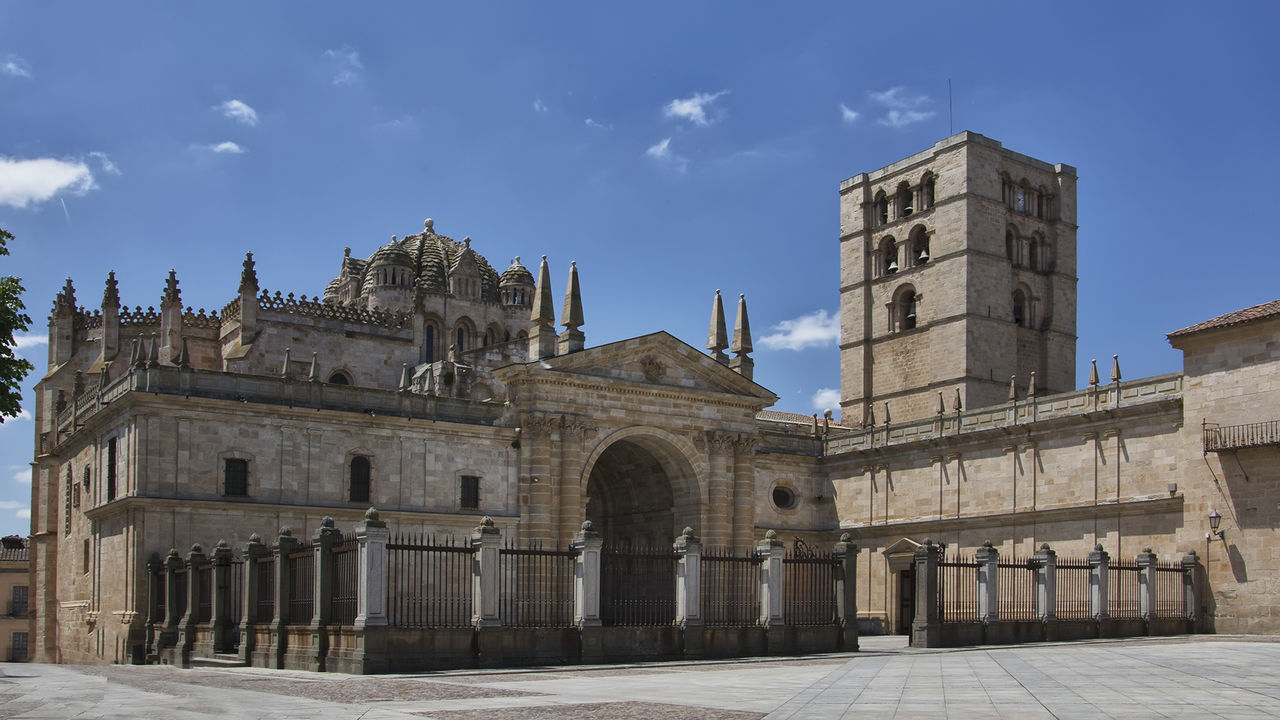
point(1016, 589)
point(300, 571)
point(730, 588)
point(180, 584)
point(1124, 586)
point(637, 586)
point(346, 582)
point(1218, 438)
point(1073, 589)
point(429, 582)
point(204, 593)
point(1168, 591)
point(809, 588)
point(535, 586)
point(958, 589)
point(264, 568)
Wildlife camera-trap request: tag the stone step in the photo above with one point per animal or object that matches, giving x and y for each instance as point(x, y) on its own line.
point(219, 660)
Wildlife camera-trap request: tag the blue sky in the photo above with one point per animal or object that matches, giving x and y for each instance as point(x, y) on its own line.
point(669, 148)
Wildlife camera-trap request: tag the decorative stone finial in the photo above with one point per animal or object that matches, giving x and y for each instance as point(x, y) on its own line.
point(718, 336)
point(1098, 547)
point(588, 526)
point(846, 538)
point(111, 295)
point(327, 522)
point(1146, 550)
point(956, 404)
point(171, 292)
point(1044, 546)
point(195, 548)
point(770, 535)
point(371, 515)
point(1093, 372)
point(987, 545)
point(1013, 388)
point(1031, 386)
point(542, 312)
point(429, 225)
point(184, 354)
point(467, 242)
point(1115, 368)
point(221, 544)
point(346, 252)
point(687, 532)
point(248, 275)
point(255, 538)
point(486, 521)
point(286, 531)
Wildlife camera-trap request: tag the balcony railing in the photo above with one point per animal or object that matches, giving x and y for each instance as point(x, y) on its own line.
point(1220, 438)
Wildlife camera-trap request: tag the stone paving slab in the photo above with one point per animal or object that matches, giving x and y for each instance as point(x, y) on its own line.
point(1200, 677)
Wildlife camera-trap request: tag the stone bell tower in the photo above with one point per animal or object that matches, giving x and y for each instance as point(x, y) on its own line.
point(958, 273)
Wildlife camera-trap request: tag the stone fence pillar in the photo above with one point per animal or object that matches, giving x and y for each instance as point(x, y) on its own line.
point(172, 613)
point(988, 559)
point(846, 557)
point(187, 626)
point(771, 552)
point(221, 597)
point(486, 540)
point(689, 591)
point(155, 574)
point(370, 654)
point(326, 536)
point(1046, 569)
point(254, 550)
point(1099, 562)
point(1190, 594)
point(926, 631)
point(1147, 583)
point(285, 544)
point(586, 592)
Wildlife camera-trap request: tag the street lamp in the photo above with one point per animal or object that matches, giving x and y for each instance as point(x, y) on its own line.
point(1215, 521)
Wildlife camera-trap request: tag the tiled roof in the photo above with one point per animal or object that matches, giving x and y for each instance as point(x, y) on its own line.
point(1239, 317)
point(789, 417)
point(14, 548)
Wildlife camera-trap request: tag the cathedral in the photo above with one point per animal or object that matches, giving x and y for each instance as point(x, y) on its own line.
point(426, 383)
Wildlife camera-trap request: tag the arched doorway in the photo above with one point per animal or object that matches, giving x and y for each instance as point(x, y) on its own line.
point(641, 491)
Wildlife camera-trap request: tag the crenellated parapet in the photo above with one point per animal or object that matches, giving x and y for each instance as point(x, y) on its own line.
point(315, 307)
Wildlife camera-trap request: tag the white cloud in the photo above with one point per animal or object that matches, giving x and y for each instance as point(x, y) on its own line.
point(105, 162)
point(902, 107)
point(813, 330)
point(23, 182)
point(661, 151)
point(25, 342)
point(591, 123)
point(11, 505)
point(695, 109)
point(826, 399)
point(238, 111)
point(346, 65)
point(21, 474)
point(14, 66)
point(847, 115)
point(539, 106)
point(23, 414)
point(23, 514)
point(227, 147)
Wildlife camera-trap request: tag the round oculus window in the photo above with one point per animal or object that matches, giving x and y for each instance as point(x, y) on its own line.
point(784, 497)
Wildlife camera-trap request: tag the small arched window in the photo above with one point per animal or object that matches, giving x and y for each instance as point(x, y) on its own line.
point(1010, 246)
point(888, 256)
point(927, 190)
point(881, 209)
point(460, 345)
point(904, 201)
point(919, 253)
point(339, 378)
point(360, 471)
point(430, 342)
point(902, 312)
point(1020, 311)
point(1033, 254)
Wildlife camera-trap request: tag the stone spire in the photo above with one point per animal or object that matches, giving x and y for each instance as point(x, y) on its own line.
point(1013, 388)
point(542, 336)
point(249, 275)
point(1093, 372)
point(62, 325)
point(1115, 368)
point(572, 339)
point(741, 347)
point(171, 293)
point(171, 319)
point(65, 300)
point(110, 319)
point(717, 336)
point(1031, 386)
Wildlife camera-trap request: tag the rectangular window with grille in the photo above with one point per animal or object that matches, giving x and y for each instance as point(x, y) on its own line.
point(19, 600)
point(18, 646)
point(111, 469)
point(237, 478)
point(470, 493)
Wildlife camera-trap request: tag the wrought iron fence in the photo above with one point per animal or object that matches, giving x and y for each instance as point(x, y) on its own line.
point(809, 588)
point(1073, 589)
point(1123, 590)
point(300, 571)
point(346, 582)
point(535, 586)
point(730, 588)
point(162, 595)
point(429, 582)
point(637, 586)
point(1016, 589)
point(204, 593)
point(1168, 592)
point(958, 589)
point(180, 584)
point(264, 569)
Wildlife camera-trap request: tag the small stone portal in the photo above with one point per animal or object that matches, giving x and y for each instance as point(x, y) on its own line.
point(629, 497)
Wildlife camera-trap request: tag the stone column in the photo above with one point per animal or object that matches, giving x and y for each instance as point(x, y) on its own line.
point(771, 551)
point(285, 544)
point(717, 525)
point(586, 592)
point(221, 597)
point(689, 591)
point(1147, 583)
point(926, 631)
point(172, 613)
point(744, 492)
point(1190, 596)
point(988, 559)
point(187, 626)
point(253, 551)
point(846, 556)
point(1099, 562)
point(370, 654)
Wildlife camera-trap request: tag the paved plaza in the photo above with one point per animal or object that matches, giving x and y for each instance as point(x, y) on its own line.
point(1197, 677)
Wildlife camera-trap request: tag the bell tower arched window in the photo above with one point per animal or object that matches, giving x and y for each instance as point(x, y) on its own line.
point(888, 256)
point(904, 201)
point(918, 252)
point(903, 309)
point(881, 209)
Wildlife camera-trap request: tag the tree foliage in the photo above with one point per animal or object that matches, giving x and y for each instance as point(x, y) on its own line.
point(13, 319)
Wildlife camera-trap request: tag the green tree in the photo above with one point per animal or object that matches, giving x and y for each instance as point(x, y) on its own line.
point(13, 319)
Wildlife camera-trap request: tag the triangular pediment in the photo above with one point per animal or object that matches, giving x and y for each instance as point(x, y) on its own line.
point(656, 360)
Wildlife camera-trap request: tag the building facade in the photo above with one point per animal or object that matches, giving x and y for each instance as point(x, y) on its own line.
point(15, 593)
point(425, 383)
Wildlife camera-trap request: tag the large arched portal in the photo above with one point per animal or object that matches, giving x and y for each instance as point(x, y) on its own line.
point(641, 492)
